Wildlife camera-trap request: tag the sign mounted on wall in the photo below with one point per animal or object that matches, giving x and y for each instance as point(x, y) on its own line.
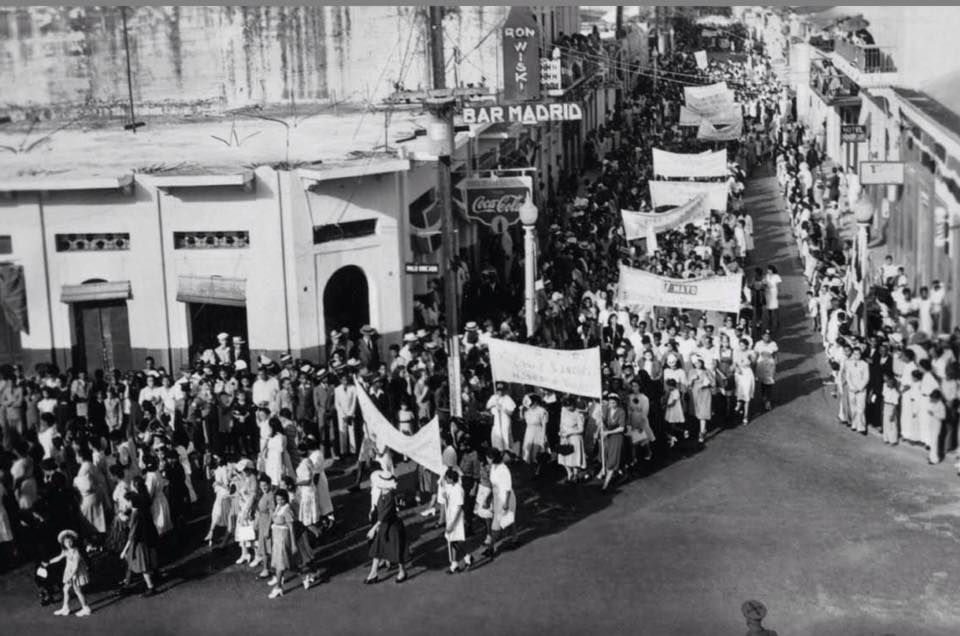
point(521, 55)
point(422, 268)
point(853, 133)
point(522, 113)
point(491, 198)
point(551, 74)
point(881, 172)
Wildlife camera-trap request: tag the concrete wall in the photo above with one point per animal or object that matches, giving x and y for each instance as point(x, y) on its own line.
point(922, 39)
point(193, 59)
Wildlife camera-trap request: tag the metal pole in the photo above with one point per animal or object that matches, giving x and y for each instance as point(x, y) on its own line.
point(46, 279)
point(529, 278)
point(656, 51)
point(163, 272)
point(436, 47)
point(126, 47)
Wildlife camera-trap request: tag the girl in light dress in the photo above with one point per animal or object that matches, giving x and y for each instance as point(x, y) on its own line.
point(244, 509)
point(702, 381)
point(571, 433)
point(766, 350)
point(220, 512)
point(673, 411)
point(282, 544)
point(276, 460)
point(75, 572)
point(451, 495)
point(159, 506)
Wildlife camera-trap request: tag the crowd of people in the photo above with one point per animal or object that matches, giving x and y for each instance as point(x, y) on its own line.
point(894, 366)
point(114, 466)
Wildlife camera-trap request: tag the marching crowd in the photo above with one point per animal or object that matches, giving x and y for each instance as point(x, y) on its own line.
point(114, 466)
point(894, 365)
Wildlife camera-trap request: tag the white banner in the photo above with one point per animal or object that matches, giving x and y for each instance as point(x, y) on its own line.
point(716, 293)
point(423, 448)
point(709, 132)
point(709, 100)
point(728, 115)
point(576, 372)
point(637, 224)
point(674, 193)
point(701, 58)
point(675, 164)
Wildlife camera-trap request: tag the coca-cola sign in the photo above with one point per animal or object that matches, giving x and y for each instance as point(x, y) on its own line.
point(486, 199)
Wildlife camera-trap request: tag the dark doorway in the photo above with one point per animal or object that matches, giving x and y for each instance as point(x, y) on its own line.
point(346, 300)
point(207, 320)
point(102, 336)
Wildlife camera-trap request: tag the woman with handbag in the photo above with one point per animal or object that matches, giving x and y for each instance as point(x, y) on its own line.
point(570, 453)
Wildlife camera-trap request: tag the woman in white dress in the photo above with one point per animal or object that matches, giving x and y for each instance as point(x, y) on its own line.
point(571, 436)
point(92, 505)
point(220, 512)
point(745, 386)
point(912, 407)
point(159, 506)
point(504, 500)
point(308, 513)
point(766, 350)
point(451, 494)
point(275, 458)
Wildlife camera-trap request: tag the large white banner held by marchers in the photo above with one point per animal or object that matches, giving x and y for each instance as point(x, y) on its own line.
point(708, 100)
point(710, 132)
point(729, 115)
point(637, 224)
point(674, 193)
point(716, 293)
point(576, 372)
point(675, 164)
point(423, 447)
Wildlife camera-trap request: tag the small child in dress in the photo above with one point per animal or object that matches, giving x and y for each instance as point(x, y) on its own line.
point(74, 572)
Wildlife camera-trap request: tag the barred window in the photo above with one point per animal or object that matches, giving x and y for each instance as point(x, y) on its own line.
point(104, 242)
point(210, 240)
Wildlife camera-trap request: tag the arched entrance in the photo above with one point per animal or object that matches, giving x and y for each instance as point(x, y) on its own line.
point(346, 300)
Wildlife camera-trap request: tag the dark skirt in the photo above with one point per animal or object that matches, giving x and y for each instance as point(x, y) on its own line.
point(141, 558)
point(117, 537)
point(390, 544)
point(612, 446)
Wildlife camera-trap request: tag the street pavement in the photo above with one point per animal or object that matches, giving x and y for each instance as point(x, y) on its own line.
point(835, 533)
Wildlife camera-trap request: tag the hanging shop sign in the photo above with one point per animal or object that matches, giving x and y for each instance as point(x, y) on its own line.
point(495, 201)
point(521, 55)
point(522, 113)
point(881, 172)
point(853, 133)
point(422, 268)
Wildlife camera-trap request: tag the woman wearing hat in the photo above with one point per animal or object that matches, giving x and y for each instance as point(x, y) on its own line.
point(75, 572)
point(387, 534)
point(611, 437)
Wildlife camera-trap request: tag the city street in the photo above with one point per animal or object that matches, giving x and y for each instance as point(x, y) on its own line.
point(833, 532)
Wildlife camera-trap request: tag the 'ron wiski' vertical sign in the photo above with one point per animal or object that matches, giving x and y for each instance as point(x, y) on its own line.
point(521, 55)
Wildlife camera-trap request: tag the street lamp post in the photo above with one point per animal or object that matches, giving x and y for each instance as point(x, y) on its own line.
point(863, 213)
point(528, 216)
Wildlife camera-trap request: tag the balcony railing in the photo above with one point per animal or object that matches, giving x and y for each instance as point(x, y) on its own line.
point(866, 58)
point(832, 85)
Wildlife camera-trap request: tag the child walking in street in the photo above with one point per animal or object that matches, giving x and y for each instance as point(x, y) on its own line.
point(75, 574)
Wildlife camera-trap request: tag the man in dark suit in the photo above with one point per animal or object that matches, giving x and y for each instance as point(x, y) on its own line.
point(367, 350)
point(881, 364)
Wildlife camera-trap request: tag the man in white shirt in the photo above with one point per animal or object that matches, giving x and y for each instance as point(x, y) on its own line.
point(501, 406)
point(266, 389)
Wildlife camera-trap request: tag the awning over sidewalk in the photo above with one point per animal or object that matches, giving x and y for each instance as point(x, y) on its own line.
point(212, 290)
point(93, 292)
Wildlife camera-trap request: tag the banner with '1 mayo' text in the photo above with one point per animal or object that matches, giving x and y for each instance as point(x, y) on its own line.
point(637, 224)
point(716, 293)
point(576, 372)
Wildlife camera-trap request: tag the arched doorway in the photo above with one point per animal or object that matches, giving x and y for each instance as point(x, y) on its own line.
point(346, 300)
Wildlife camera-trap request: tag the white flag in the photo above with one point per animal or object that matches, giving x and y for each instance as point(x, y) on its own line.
point(423, 448)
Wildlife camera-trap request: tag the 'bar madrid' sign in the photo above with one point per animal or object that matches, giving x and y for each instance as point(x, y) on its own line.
point(522, 113)
point(521, 55)
point(488, 198)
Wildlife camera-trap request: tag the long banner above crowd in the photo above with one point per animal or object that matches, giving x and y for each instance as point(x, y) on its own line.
point(636, 225)
point(674, 164)
point(729, 115)
point(576, 372)
point(710, 132)
point(422, 447)
point(708, 100)
point(674, 193)
point(716, 293)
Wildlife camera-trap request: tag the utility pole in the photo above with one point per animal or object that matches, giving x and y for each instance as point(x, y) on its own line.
point(656, 50)
point(126, 48)
point(619, 20)
point(441, 133)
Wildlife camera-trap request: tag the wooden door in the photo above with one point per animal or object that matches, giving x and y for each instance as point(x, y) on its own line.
point(104, 337)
